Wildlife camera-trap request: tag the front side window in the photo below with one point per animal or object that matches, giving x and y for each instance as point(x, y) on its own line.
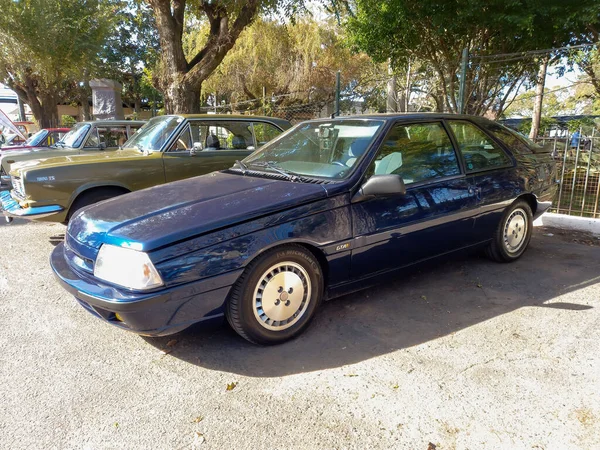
point(323, 149)
point(93, 141)
point(478, 150)
point(223, 135)
point(417, 152)
point(113, 136)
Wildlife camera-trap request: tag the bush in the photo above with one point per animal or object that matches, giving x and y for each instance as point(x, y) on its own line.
point(67, 121)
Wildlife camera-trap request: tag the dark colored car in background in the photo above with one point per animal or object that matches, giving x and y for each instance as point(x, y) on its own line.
point(46, 137)
point(330, 207)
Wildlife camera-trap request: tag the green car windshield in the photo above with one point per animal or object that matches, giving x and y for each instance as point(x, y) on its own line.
point(74, 138)
point(324, 149)
point(154, 134)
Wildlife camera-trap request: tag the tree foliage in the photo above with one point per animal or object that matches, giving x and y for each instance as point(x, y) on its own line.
point(294, 62)
point(435, 33)
point(180, 76)
point(45, 46)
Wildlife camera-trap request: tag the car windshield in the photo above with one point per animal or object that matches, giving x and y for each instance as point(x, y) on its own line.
point(154, 134)
point(37, 138)
point(74, 137)
point(324, 149)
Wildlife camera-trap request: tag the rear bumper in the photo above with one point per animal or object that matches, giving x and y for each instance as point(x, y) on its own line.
point(11, 208)
point(158, 313)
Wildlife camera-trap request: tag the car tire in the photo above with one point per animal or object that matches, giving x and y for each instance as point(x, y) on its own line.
point(91, 197)
point(513, 233)
point(277, 296)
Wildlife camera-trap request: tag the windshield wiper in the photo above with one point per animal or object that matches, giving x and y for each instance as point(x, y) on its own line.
point(291, 176)
point(243, 166)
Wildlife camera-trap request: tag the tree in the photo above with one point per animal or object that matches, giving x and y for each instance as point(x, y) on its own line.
point(130, 48)
point(45, 46)
point(295, 63)
point(181, 75)
point(435, 33)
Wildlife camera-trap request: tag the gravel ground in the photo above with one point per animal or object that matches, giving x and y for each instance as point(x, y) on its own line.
point(464, 354)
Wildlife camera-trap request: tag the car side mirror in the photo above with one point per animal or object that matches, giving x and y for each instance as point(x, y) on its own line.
point(380, 185)
point(196, 147)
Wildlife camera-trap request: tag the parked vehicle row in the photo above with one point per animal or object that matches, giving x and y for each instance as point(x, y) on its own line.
point(328, 207)
point(167, 148)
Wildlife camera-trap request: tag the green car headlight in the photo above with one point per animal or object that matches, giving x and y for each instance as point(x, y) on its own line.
point(126, 267)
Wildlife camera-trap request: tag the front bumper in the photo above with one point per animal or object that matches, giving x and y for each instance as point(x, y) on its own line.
point(11, 208)
point(158, 313)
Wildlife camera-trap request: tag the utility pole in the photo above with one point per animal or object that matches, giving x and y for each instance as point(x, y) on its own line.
point(21, 109)
point(539, 99)
point(338, 87)
point(392, 104)
point(463, 81)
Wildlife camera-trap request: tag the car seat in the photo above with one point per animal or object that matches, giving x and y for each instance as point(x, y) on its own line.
point(212, 142)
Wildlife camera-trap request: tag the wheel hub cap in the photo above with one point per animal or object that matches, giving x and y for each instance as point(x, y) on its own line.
point(515, 231)
point(282, 296)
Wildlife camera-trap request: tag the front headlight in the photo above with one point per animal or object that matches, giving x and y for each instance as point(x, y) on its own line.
point(126, 267)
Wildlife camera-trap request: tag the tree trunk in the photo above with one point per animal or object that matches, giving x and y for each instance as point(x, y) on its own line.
point(182, 98)
point(539, 99)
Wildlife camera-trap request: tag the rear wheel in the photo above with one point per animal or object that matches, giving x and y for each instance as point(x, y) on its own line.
point(93, 196)
point(513, 234)
point(277, 296)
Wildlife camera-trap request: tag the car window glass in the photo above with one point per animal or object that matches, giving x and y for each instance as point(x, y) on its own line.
point(417, 152)
point(214, 136)
point(264, 132)
point(92, 140)
point(478, 150)
point(511, 139)
point(183, 143)
point(113, 137)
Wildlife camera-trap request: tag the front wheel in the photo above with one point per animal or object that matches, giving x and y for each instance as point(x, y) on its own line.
point(277, 296)
point(513, 234)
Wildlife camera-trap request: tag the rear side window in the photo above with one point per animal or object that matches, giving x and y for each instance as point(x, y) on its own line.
point(478, 150)
point(511, 139)
point(418, 152)
point(264, 132)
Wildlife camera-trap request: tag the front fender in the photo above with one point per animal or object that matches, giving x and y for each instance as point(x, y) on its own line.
point(233, 249)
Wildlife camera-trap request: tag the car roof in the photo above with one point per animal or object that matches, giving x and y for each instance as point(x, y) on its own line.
point(407, 116)
point(275, 120)
point(115, 122)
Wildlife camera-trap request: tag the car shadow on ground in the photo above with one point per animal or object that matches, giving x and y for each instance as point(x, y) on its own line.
point(427, 303)
point(56, 239)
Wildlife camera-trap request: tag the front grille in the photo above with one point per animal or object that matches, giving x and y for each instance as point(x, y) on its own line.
point(18, 187)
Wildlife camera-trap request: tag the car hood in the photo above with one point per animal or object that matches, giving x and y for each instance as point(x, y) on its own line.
point(37, 153)
point(155, 217)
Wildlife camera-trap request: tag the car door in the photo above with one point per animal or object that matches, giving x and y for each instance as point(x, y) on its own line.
point(433, 217)
point(490, 171)
point(207, 146)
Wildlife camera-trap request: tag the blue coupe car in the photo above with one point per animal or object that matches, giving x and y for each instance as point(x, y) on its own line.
point(327, 208)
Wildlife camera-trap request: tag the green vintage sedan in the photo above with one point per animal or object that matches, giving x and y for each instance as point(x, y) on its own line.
point(167, 148)
point(83, 138)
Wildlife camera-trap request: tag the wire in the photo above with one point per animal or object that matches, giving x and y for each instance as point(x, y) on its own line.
point(532, 52)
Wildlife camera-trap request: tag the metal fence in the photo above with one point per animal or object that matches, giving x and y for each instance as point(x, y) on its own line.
point(578, 159)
